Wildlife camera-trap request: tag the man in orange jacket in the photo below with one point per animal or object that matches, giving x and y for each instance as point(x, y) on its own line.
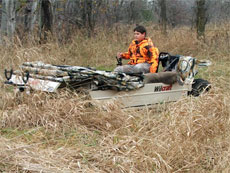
point(142, 54)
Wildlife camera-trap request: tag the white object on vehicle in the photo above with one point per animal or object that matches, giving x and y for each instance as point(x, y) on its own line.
point(36, 84)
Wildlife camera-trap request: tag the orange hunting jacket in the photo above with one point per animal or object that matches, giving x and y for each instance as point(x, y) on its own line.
point(142, 52)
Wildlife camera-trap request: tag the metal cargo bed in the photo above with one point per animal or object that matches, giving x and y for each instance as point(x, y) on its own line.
point(151, 93)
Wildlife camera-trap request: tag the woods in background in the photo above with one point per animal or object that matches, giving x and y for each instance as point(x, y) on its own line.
point(61, 17)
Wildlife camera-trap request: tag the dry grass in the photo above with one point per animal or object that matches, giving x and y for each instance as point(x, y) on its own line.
point(67, 132)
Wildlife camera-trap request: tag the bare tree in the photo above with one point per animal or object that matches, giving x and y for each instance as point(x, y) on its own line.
point(177, 13)
point(225, 9)
point(46, 18)
point(87, 15)
point(163, 15)
point(8, 20)
point(30, 12)
point(64, 16)
point(132, 11)
point(117, 8)
point(201, 18)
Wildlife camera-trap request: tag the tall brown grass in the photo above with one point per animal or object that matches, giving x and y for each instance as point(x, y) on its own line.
point(68, 132)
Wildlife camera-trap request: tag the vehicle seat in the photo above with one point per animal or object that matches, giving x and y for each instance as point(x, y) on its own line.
point(168, 62)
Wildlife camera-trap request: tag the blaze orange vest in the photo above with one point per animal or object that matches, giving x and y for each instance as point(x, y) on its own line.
point(143, 52)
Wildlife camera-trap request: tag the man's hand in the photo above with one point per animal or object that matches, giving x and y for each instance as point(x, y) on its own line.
point(119, 58)
point(119, 55)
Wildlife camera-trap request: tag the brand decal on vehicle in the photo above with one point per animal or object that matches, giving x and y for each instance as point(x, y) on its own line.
point(162, 88)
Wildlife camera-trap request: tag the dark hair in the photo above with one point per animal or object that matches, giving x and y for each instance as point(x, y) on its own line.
point(140, 29)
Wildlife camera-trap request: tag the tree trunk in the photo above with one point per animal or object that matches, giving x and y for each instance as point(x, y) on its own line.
point(201, 18)
point(163, 16)
point(8, 20)
point(30, 15)
point(46, 19)
point(132, 12)
point(88, 23)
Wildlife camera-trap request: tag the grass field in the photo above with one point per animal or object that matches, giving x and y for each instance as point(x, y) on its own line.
point(66, 132)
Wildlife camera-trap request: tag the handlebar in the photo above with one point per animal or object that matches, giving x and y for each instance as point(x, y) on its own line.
point(119, 61)
point(25, 77)
point(10, 72)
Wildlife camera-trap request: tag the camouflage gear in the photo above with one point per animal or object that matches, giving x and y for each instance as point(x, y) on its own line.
point(80, 75)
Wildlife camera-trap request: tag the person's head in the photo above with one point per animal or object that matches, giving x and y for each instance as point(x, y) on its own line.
point(139, 33)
